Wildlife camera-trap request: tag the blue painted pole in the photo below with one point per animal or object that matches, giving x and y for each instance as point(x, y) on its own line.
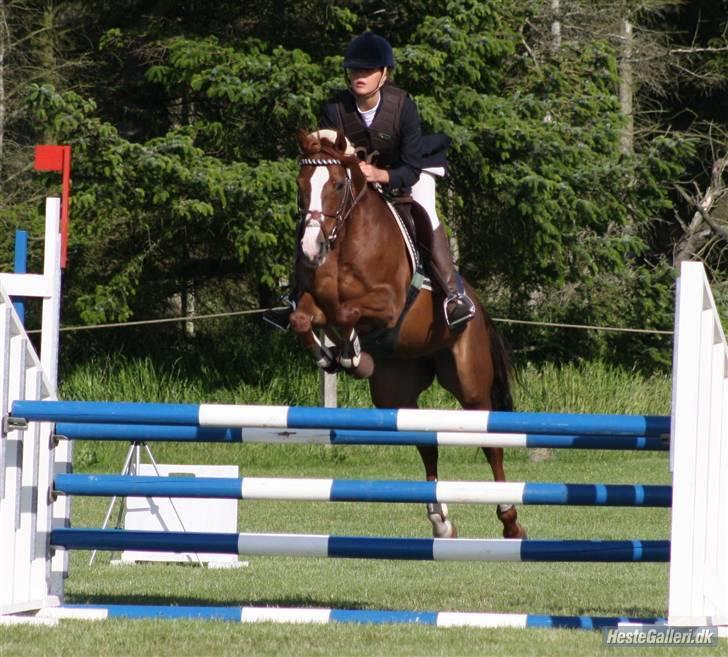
point(147, 432)
point(21, 267)
point(107, 412)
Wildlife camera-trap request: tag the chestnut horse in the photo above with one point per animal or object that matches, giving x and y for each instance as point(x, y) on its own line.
point(354, 274)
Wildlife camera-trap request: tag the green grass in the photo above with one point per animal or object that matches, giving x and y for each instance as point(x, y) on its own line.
point(594, 589)
point(587, 388)
point(584, 388)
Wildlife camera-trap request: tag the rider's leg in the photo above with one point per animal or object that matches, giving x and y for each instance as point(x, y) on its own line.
point(459, 308)
point(278, 317)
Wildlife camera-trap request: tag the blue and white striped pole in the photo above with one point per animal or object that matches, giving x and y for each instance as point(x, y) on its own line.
point(364, 547)
point(358, 616)
point(345, 490)
point(295, 417)
point(192, 433)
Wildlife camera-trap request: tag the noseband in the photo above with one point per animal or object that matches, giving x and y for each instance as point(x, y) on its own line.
point(346, 205)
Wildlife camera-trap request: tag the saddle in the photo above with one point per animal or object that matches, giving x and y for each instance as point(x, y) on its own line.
point(415, 220)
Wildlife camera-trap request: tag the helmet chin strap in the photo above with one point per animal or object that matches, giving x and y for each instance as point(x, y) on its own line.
point(382, 80)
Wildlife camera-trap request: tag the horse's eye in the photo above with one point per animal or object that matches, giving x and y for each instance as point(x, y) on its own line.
point(339, 185)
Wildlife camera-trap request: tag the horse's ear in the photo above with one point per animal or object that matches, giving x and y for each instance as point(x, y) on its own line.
point(341, 142)
point(302, 137)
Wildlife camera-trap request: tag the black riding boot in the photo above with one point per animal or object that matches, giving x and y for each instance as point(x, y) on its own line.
point(278, 317)
point(458, 307)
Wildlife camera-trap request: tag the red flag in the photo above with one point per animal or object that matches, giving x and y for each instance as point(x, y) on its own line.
point(49, 158)
point(58, 158)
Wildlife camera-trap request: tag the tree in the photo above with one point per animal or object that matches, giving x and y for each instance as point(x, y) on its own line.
point(697, 103)
point(673, 59)
point(33, 50)
point(566, 149)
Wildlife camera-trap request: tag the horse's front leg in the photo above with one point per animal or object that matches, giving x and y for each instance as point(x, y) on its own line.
point(303, 320)
point(352, 359)
point(380, 306)
point(377, 308)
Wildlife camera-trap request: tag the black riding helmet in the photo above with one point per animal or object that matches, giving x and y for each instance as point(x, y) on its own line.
point(369, 50)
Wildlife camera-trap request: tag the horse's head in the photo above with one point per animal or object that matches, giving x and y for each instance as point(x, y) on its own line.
point(327, 181)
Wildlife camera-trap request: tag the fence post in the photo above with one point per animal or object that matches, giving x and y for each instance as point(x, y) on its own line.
point(699, 457)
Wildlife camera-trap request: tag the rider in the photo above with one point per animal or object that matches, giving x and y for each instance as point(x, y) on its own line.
point(383, 120)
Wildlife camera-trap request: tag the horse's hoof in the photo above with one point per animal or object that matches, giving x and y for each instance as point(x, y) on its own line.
point(300, 322)
point(444, 529)
point(442, 526)
point(365, 368)
point(511, 527)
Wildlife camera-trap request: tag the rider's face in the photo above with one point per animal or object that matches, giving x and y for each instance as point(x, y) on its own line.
point(365, 81)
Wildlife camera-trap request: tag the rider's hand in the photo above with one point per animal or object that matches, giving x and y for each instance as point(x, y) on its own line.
point(374, 174)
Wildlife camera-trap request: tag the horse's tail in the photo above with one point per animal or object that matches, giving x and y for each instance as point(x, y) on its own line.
point(500, 394)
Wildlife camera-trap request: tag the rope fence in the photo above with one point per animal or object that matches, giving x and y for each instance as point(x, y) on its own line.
point(258, 311)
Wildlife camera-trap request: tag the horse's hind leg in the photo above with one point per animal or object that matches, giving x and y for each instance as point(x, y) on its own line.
point(467, 372)
point(437, 513)
point(398, 384)
point(506, 513)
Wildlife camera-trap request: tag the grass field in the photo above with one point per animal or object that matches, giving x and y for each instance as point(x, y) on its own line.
point(593, 589)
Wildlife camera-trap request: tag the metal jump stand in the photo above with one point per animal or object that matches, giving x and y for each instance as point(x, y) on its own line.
point(131, 468)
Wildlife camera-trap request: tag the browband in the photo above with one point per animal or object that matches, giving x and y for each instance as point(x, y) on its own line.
point(317, 163)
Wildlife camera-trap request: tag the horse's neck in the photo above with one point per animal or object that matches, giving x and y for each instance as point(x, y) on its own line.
point(374, 217)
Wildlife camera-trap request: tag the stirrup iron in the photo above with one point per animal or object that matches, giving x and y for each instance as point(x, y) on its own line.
point(459, 299)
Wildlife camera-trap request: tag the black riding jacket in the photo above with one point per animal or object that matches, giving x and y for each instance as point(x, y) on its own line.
point(395, 133)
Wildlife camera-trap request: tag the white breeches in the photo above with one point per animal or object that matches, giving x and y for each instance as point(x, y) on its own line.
point(423, 191)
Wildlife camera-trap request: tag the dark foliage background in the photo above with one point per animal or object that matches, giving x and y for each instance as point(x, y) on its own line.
point(587, 158)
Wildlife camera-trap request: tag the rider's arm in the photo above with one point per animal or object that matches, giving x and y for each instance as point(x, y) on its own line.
point(407, 171)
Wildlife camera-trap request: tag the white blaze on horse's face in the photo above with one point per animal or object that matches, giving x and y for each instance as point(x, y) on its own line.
point(313, 243)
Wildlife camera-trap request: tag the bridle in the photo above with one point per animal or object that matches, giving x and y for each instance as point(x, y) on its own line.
point(346, 205)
